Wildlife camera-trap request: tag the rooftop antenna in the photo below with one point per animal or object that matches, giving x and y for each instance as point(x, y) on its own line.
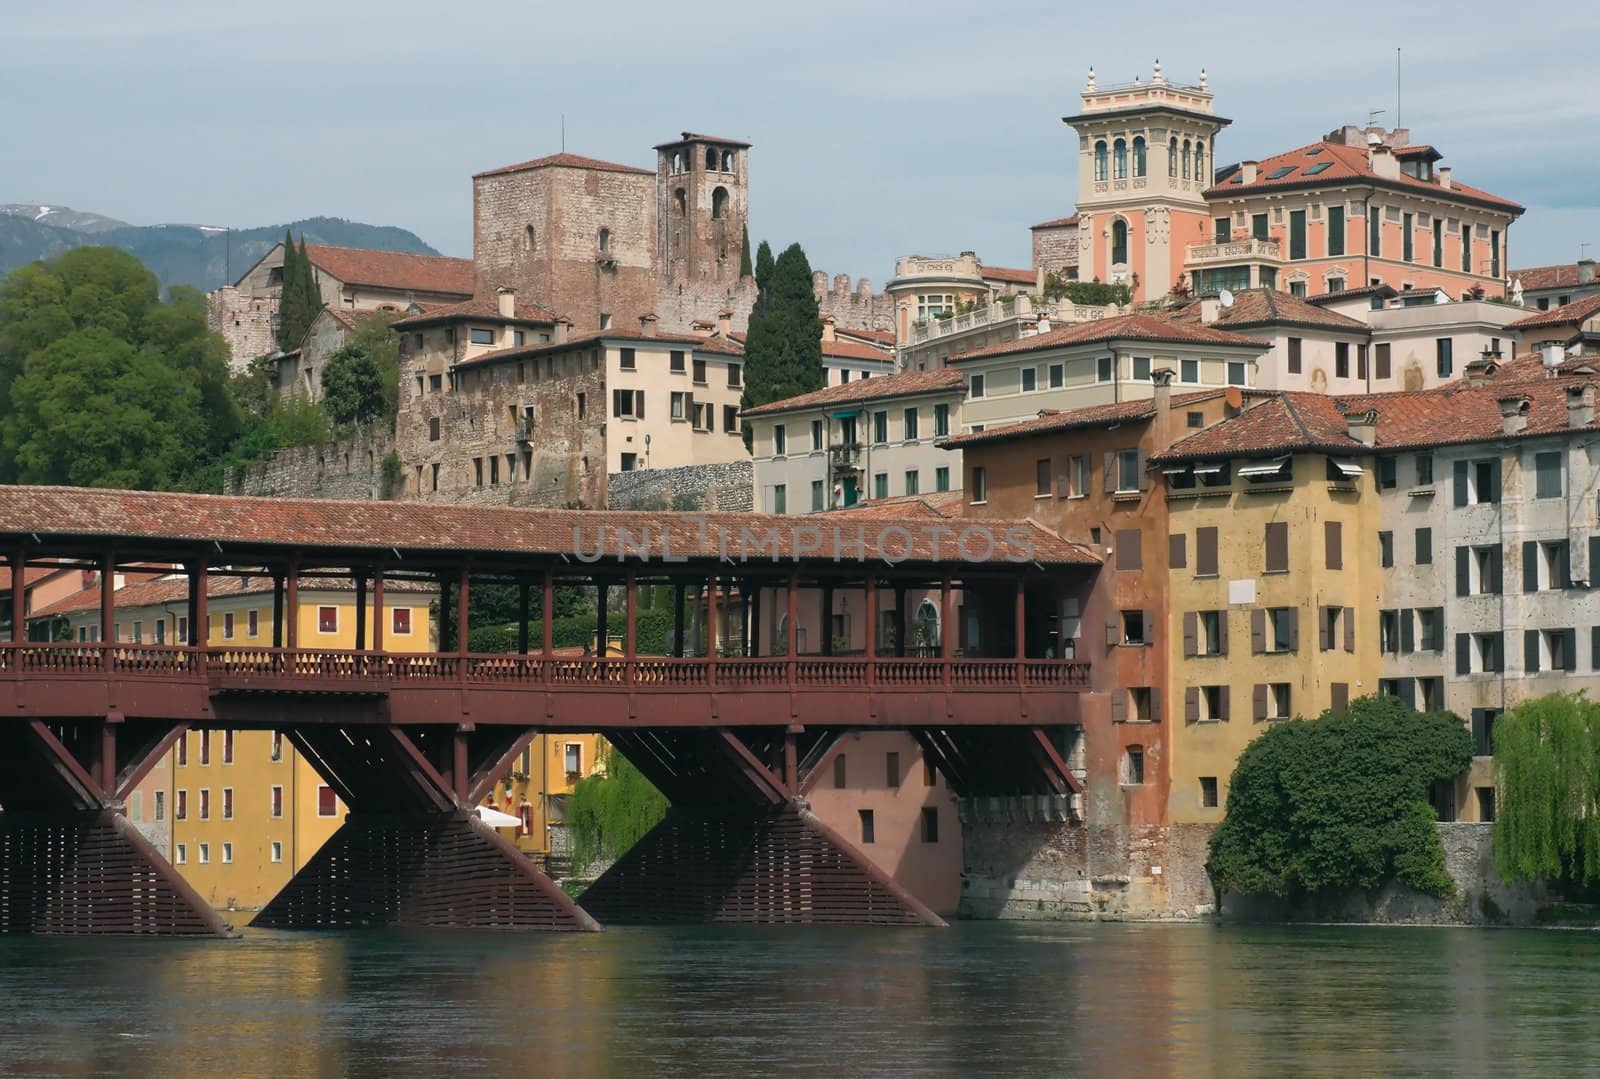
point(563, 132)
point(1397, 86)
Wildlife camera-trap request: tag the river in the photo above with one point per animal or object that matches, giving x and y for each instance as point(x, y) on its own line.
point(980, 998)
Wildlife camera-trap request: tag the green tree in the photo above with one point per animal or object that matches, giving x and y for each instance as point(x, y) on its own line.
point(299, 299)
point(745, 269)
point(1547, 803)
point(764, 264)
point(104, 384)
point(1340, 801)
point(612, 810)
point(352, 388)
point(783, 348)
point(373, 335)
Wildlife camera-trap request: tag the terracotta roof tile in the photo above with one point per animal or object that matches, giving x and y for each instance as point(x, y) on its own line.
point(481, 308)
point(1386, 291)
point(396, 270)
point(1007, 273)
point(1283, 422)
point(566, 161)
point(905, 384)
point(1567, 315)
point(855, 350)
point(1058, 223)
point(1268, 307)
point(176, 590)
point(940, 504)
point(1543, 277)
point(241, 527)
point(1344, 163)
point(1051, 422)
point(693, 342)
point(883, 337)
point(691, 136)
point(1135, 327)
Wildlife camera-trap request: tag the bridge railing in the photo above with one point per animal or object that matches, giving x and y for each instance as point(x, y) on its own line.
point(264, 666)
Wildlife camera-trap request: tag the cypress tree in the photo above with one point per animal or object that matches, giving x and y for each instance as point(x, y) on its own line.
point(745, 269)
point(308, 282)
point(300, 299)
point(783, 349)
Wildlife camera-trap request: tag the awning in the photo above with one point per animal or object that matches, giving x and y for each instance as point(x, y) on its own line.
point(1264, 468)
point(496, 819)
point(1212, 468)
point(1346, 466)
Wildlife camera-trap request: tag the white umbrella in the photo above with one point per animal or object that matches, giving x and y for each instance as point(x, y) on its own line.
point(496, 819)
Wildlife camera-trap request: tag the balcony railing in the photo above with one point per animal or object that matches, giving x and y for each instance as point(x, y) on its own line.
point(845, 456)
point(1252, 249)
point(253, 669)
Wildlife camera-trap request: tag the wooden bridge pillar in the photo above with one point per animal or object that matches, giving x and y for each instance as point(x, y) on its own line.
point(70, 861)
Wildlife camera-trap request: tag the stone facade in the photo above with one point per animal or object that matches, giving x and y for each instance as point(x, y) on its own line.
point(249, 323)
point(722, 487)
point(1055, 247)
point(349, 469)
point(853, 307)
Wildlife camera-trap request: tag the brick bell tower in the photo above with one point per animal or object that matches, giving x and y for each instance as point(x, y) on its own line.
point(702, 207)
point(1144, 163)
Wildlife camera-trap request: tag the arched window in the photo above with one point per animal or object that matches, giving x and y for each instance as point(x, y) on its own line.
point(1172, 156)
point(925, 625)
point(1200, 160)
point(1100, 160)
point(677, 163)
point(719, 204)
point(605, 240)
point(1119, 159)
point(1185, 159)
point(727, 161)
point(680, 202)
point(1119, 242)
point(711, 160)
point(1139, 156)
point(529, 239)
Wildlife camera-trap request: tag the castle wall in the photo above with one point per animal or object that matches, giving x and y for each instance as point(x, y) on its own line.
point(348, 469)
point(853, 307)
point(1056, 249)
point(724, 487)
point(247, 322)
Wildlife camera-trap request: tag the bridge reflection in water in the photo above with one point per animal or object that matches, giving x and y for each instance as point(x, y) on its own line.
point(735, 726)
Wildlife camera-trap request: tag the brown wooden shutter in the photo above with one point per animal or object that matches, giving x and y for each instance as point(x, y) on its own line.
point(1277, 547)
point(1177, 551)
point(1155, 704)
point(1350, 629)
point(1324, 631)
point(1294, 629)
point(1222, 632)
point(1111, 473)
point(1191, 704)
point(1119, 705)
point(1130, 553)
point(1340, 696)
point(1334, 535)
point(1258, 701)
point(1205, 552)
point(1191, 628)
point(1064, 477)
point(1144, 474)
point(1258, 631)
point(1113, 632)
point(1381, 363)
point(1225, 703)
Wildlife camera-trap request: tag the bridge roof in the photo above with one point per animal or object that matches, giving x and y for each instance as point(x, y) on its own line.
point(155, 523)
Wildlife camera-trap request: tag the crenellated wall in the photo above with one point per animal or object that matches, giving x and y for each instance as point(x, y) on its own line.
point(853, 307)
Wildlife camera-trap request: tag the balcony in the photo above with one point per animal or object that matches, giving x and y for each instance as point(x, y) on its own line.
point(1250, 250)
point(845, 456)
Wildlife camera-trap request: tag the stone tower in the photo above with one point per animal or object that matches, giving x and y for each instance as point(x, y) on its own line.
point(702, 207)
point(1144, 162)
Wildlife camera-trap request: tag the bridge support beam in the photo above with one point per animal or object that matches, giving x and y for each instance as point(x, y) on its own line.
point(412, 853)
point(70, 861)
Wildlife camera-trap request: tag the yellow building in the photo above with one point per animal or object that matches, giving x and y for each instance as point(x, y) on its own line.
point(1273, 583)
point(536, 790)
point(245, 810)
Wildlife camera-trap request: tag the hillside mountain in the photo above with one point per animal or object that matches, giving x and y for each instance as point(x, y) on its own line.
point(202, 256)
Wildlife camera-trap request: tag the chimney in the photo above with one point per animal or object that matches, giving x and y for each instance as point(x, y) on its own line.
point(827, 330)
point(1043, 325)
point(1363, 426)
point(647, 325)
point(725, 323)
point(1248, 168)
point(1161, 424)
point(1210, 308)
point(1580, 405)
point(1383, 161)
point(508, 302)
point(1586, 271)
point(563, 326)
point(1514, 414)
point(1444, 177)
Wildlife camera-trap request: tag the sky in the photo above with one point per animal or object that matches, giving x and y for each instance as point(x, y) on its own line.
point(880, 129)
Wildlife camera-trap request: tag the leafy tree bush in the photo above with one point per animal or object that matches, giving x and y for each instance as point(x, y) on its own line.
point(1547, 804)
point(1340, 801)
point(352, 387)
point(612, 810)
point(1089, 293)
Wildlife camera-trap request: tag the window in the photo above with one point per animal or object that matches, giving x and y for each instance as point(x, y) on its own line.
point(1283, 626)
point(780, 440)
point(205, 803)
point(277, 801)
point(1103, 369)
point(1119, 242)
point(1295, 361)
point(627, 360)
point(180, 806)
point(1208, 792)
point(479, 336)
point(277, 851)
point(1430, 627)
point(251, 619)
point(1119, 160)
point(1381, 362)
point(1236, 372)
point(326, 802)
point(1030, 379)
point(817, 496)
point(980, 486)
point(930, 824)
point(277, 739)
point(327, 620)
point(433, 429)
point(182, 851)
point(869, 833)
point(1424, 542)
point(1133, 766)
point(699, 372)
point(1477, 481)
point(628, 403)
point(780, 498)
point(1494, 253)
point(227, 626)
point(1386, 549)
point(1335, 235)
point(1041, 478)
point(1336, 284)
point(730, 421)
point(880, 485)
point(1549, 650)
point(227, 803)
point(1544, 565)
point(1134, 627)
point(1444, 355)
point(1387, 473)
point(941, 420)
point(1172, 158)
point(1547, 467)
point(975, 385)
point(1058, 375)
point(1127, 471)
point(205, 853)
point(1276, 701)
point(1277, 547)
point(909, 428)
point(161, 805)
point(941, 478)
point(205, 747)
point(1101, 165)
point(1077, 478)
point(583, 405)
point(1297, 234)
point(1205, 552)
point(1210, 633)
point(1189, 370)
point(880, 427)
point(1374, 231)
point(1478, 571)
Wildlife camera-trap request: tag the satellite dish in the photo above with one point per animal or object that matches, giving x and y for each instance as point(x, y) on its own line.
point(1225, 298)
point(1440, 297)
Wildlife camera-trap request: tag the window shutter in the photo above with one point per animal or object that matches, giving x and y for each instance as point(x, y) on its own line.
point(1408, 691)
point(1594, 648)
point(1064, 477)
point(1258, 701)
point(1177, 551)
point(1222, 632)
point(1113, 632)
point(1530, 566)
point(1569, 654)
point(1224, 703)
point(1258, 631)
point(1340, 696)
point(1294, 629)
point(1191, 626)
point(1350, 629)
point(1497, 571)
point(638, 403)
point(1424, 547)
point(1191, 704)
point(1594, 565)
point(1144, 476)
point(1334, 535)
point(1277, 546)
point(1150, 627)
point(1205, 551)
point(1494, 483)
point(1324, 632)
point(1464, 653)
point(1111, 473)
point(1461, 483)
point(1155, 704)
point(1463, 572)
point(1119, 705)
point(1408, 641)
point(1564, 566)
point(1530, 651)
point(1498, 650)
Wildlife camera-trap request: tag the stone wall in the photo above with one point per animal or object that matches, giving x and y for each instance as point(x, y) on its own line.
point(1056, 249)
point(857, 308)
point(350, 469)
point(248, 323)
point(727, 487)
